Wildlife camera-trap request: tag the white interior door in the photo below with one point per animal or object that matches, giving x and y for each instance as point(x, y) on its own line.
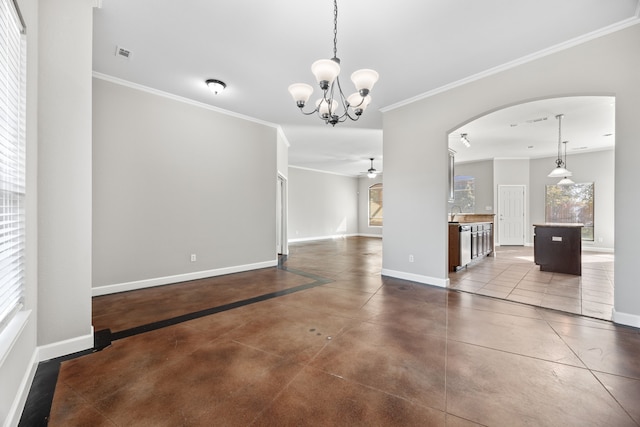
point(511, 214)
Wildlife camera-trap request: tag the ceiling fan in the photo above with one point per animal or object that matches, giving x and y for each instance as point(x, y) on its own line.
point(372, 172)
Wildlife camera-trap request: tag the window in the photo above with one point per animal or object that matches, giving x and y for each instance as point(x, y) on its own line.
point(463, 194)
point(12, 160)
point(571, 203)
point(375, 205)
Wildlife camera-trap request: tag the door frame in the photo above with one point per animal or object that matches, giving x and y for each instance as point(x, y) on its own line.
point(282, 198)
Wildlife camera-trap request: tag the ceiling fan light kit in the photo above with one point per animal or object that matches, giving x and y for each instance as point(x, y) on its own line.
point(334, 107)
point(371, 172)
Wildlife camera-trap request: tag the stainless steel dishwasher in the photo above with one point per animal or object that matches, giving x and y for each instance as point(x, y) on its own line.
point(465, 245)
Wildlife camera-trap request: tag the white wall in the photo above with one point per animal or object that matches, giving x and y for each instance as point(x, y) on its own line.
point(363, 206)
point(597, 167)
point(58, 200)
point(173, 179)
point(415, 153)
point(321, 205)
point(283, 154)
point(64, 174)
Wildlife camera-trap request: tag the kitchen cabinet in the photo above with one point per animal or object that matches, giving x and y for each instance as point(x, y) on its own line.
point(558, 247)
point(476, 238)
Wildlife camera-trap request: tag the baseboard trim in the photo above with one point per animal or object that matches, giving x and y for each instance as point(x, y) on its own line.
point(63, 348)
point(596, 249)
point(379, 236)
point(427, 280)
point(626, 319)
point(15, 412)
point(311, 239)
point(158, 281)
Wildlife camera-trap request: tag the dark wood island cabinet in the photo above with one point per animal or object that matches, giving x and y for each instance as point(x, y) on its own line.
point(558, 247)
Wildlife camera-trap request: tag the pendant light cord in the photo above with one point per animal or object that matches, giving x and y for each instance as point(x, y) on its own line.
point(559, 161)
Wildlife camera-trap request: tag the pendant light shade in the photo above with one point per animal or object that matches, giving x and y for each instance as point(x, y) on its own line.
point(565, 181)
point(326, 71)
point(560, 172)
point(364, 80)
point(300, 92)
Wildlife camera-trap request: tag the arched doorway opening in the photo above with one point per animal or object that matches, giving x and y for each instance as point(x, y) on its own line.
point(517, 147)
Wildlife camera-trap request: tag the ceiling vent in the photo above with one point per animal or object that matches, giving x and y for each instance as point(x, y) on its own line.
point(529, 122)
point(121, 52)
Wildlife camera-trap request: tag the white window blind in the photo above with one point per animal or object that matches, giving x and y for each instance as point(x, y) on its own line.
point(12, 160)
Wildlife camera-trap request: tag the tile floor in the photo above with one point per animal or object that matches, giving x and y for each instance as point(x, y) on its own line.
point(334, 343)
point(512, 275)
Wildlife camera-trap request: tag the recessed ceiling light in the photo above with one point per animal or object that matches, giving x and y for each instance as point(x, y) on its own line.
point(608, 134)
point(530, 146)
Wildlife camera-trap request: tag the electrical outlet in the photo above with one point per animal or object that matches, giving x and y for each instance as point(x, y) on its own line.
point(410, 258)
point(193, 258)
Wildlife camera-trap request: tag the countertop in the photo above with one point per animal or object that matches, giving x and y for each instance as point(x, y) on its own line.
point(560, 224)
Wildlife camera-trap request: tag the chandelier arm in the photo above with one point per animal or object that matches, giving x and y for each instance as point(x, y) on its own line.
point(308, 113)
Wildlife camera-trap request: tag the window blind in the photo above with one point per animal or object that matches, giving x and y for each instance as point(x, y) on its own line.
point(12, 159)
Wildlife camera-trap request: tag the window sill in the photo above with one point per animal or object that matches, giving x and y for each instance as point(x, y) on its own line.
point(11, 333)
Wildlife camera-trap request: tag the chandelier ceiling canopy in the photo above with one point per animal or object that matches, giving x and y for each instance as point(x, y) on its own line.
point(334, 107)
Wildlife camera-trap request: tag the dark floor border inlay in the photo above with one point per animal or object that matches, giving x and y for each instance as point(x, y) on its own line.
point(318, 281)
point(38, 405)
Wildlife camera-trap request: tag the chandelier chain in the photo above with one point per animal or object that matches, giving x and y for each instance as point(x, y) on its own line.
point(335, 28)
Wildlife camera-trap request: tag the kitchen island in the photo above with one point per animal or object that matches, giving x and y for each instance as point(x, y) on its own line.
point(557, 247)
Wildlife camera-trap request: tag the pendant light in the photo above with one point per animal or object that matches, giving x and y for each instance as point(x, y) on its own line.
point(565, 180)
point(560, 170)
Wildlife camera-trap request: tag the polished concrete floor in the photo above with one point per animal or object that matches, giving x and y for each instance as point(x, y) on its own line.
point(327, 341)
point(511, 274)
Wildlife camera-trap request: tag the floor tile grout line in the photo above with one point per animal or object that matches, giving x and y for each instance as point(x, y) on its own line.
point(591, 371)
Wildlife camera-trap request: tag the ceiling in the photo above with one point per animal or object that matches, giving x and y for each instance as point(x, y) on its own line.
point(418, 46)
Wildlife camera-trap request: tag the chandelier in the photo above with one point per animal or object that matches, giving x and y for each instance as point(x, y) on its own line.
point(334, 107)
point(559, 171)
